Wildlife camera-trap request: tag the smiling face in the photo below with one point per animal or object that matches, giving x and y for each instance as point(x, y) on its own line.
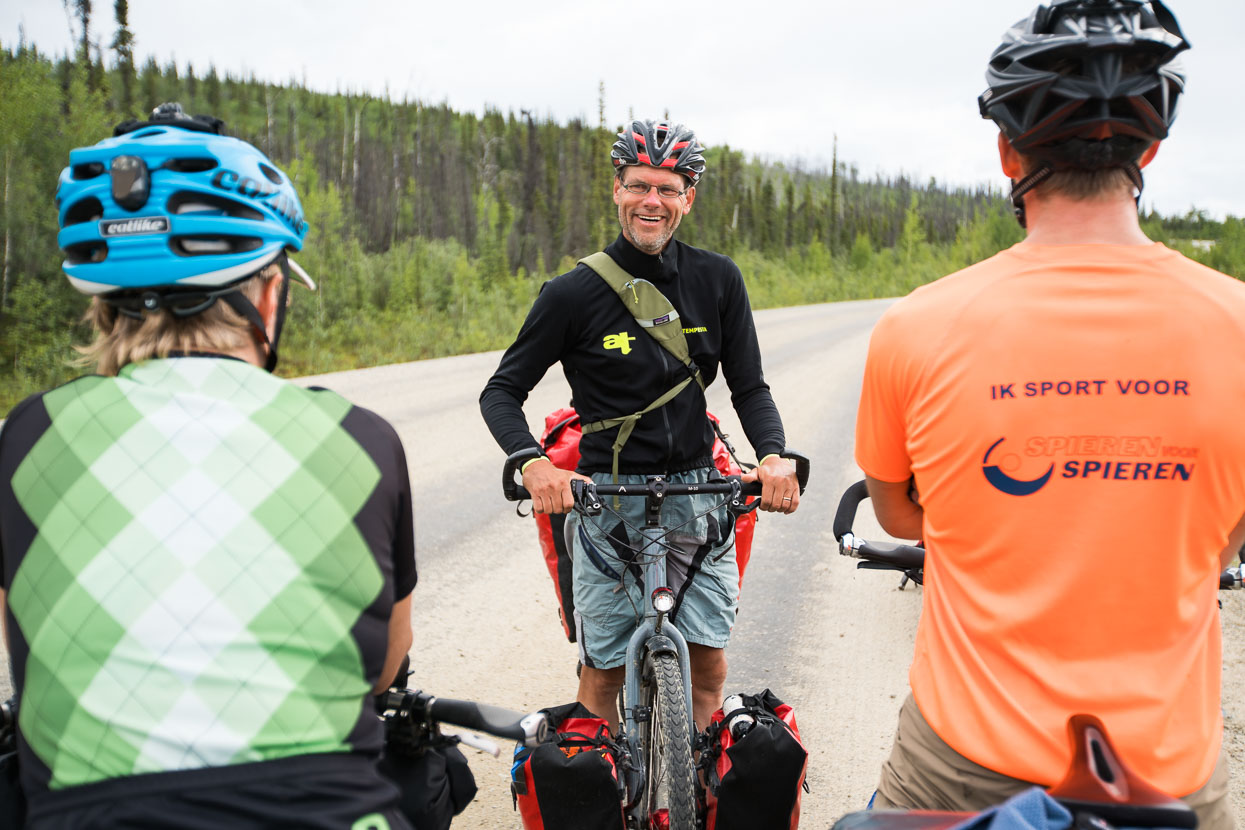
point(649, 221)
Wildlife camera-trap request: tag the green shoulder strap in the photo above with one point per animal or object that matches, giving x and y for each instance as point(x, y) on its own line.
point(658, 317)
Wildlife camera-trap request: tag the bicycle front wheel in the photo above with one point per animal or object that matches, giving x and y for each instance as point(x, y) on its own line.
point(670, 774)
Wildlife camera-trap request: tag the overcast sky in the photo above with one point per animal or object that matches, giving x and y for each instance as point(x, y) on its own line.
point(896, 80)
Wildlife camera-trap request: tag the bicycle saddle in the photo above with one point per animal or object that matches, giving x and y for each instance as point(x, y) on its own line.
point(1099, 782)
point(1099, 790)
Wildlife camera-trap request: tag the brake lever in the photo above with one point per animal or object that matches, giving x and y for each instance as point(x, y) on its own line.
point(736, 502)
point(909, 574)
point(879, 566)
point(479, 742)
point(585, 496)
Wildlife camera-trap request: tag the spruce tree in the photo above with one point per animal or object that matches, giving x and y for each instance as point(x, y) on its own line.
point(123, 45)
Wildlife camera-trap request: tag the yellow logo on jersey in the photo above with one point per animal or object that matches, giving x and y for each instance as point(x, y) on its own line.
point(696, 330)
point(620, 341)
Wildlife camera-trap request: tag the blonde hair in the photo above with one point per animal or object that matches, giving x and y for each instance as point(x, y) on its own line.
point(120, 339)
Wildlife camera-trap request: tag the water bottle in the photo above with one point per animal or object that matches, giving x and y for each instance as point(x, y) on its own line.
point(740, 724)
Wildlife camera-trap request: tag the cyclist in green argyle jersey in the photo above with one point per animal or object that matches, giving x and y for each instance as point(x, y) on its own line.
point(206, 570)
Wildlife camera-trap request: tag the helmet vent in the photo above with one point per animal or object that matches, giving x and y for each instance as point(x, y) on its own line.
point(271, 174)
point(214, 245)
point(1055, 63)
point(89, 209)
point(1121, 109)
point(86, 252)
point(88, 171)
point(207, 204)
point(147, 134)
point(191, 165)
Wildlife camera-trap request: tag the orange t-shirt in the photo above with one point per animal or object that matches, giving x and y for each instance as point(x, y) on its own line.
point(1073, 417)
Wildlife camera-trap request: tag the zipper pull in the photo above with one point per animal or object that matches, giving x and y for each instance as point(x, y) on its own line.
point(636, 297)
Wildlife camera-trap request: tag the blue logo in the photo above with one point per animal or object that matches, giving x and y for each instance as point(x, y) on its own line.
point(1005, 483)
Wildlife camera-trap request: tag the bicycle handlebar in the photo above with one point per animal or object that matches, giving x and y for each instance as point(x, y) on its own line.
point(515, 491)
point(903, 557)
point(418, 706)
point(909, 557)
point(409, 705)
point(845, 516)
point(1231, 578)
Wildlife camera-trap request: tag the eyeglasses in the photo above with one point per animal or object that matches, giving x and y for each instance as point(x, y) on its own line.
point(665, 191)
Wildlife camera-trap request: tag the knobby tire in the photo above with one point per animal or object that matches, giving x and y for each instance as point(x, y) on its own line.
point(671, 773)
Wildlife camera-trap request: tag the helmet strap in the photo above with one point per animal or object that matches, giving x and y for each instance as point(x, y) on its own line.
point(282, 303)
point(239, 303)
point(1020, 188)
point(1134, 173)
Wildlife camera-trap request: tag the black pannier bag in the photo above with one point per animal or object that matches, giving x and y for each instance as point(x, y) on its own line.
point(570, 782)
point(754, 766)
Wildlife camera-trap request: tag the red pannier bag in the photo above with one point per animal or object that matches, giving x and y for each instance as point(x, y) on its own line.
point(755, 779)
point(571, 781)
point(560, 441)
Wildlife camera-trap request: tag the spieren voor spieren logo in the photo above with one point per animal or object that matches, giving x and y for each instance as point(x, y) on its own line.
point(1023, 465)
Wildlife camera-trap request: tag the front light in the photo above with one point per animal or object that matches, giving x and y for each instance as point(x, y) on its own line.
point(663, 600)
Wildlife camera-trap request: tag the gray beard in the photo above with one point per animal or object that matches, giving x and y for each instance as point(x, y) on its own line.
point(648, 249)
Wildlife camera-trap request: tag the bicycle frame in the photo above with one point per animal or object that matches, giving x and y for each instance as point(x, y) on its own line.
point(654, 634)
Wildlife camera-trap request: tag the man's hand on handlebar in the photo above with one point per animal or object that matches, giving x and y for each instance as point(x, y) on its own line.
point(550, 486)
point(780, 489)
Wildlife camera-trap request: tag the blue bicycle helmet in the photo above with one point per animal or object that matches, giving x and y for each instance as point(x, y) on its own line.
point(170, 214)
point(169, 203)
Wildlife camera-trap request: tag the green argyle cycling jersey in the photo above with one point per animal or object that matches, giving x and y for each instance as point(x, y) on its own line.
point(200, 562)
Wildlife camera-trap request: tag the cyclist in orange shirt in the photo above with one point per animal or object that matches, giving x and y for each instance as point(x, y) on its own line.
point(1068, 412)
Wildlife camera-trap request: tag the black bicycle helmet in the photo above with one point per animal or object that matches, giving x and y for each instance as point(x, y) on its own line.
point(1086, 84)
point(662, 145)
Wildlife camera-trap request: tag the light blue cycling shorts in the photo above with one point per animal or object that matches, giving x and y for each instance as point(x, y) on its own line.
point(608, 571)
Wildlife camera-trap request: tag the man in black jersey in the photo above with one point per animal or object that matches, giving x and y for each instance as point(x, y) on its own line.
point(615, 368)
point(205, 570)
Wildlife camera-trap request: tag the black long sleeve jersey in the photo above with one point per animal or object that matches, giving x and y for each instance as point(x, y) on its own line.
point(615, 368)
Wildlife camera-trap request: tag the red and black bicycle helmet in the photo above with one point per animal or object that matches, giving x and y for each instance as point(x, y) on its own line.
point(662, 145)
point(1086, 84)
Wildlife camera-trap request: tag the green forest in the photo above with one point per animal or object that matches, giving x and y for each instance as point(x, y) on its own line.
point(432, 230)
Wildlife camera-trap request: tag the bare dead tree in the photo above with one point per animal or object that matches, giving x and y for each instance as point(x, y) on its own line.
point(8, 230)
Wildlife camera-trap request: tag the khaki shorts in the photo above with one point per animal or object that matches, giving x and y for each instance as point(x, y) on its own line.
point(610, 598)
point(924, 773)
